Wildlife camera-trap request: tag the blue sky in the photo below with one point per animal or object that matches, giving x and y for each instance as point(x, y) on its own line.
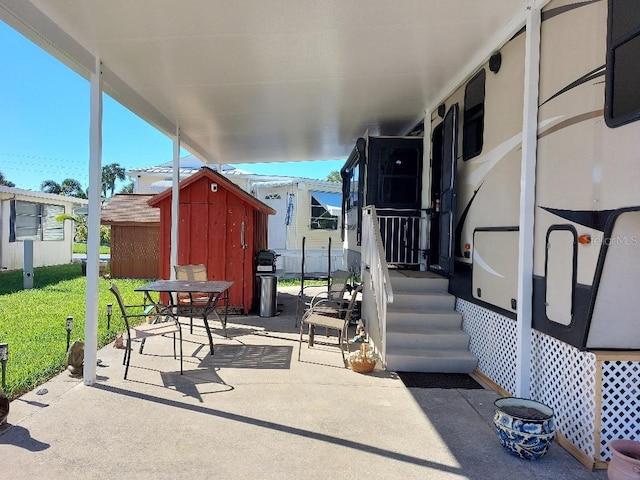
point(44, 124)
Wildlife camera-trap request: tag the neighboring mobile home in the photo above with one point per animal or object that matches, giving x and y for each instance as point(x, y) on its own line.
point(584, 222)
point(305, 208)
point(31, 215)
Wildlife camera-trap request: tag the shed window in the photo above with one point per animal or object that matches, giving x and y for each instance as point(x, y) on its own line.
point(35, 221)
point(325, 208)
point(473, 120)
point(623, 56)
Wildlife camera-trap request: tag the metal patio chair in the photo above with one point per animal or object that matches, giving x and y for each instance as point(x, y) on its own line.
point(333, 298)
point(196, 272)
point(162, 322)
point(316, 317)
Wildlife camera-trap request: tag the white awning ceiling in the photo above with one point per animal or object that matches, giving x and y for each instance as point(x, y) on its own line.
point(272, 80)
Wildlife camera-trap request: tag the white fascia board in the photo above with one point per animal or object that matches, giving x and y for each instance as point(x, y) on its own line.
point(42, 195)
point(23, 16)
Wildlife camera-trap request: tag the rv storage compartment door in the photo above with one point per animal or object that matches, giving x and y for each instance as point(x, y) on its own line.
point(495, 266)
point(560, 273)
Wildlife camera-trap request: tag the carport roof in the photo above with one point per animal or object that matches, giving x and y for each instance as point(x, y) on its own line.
point(272, 80)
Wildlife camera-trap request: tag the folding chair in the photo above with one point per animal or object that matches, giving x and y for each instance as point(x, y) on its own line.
point(163, 322)
point(316, 317)
point(333, 298)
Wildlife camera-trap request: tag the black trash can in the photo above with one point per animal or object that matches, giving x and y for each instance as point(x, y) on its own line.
point(268, 295)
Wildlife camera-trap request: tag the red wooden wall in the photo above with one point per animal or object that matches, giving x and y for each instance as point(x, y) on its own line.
point(210, 232)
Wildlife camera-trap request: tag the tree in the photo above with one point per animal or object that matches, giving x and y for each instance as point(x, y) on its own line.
point(334, 177)
point(110, 174)
point(80, 224)
point(69, 188)
point(127, 188)
point(5, 182)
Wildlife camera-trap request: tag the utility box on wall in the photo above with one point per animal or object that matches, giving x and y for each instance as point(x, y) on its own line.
point(220, 226)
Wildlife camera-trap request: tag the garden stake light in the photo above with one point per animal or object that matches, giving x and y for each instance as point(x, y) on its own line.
point(4, 355)
point(109, 312)
point(69, 327)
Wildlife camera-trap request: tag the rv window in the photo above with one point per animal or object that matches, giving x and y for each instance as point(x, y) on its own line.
point(622, 95)
point(473, 120)
point(35, 221)
point(398, 176)
point(325, 208)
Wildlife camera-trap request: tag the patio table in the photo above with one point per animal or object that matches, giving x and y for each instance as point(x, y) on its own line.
point(216, 291)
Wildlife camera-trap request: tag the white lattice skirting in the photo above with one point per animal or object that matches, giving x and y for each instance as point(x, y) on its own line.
point(594, 401)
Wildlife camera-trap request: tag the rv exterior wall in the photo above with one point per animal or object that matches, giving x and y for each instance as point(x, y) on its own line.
point(586, 173)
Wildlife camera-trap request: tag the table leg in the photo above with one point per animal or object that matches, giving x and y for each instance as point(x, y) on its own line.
point(206, 325)
point(226, 310)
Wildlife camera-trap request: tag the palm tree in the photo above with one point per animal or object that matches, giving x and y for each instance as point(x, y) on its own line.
point(111, 173)
point(51, 186)
point(69, 188)
point(128, 188)
point(5, 182)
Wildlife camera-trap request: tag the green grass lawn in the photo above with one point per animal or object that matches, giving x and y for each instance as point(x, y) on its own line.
point(32, 322)
point(82, 248)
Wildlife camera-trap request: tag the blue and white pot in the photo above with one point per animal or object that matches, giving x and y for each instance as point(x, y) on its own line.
point(525, 427)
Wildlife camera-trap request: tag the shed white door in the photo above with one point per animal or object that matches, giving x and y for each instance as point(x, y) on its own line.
point(277, 223)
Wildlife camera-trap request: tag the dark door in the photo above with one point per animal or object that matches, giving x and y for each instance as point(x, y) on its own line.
point(436, 180)
point(448, 190)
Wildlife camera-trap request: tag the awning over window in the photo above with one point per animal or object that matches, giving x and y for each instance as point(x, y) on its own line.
point(332, 202)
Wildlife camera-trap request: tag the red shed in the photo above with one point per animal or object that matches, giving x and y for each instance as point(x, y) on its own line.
point(221, 226)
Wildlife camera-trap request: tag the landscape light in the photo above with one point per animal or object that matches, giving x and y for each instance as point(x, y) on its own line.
point(69, 327)
point(109, 312)
point(4, 356)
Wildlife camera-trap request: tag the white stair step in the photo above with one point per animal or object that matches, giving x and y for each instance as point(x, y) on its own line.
point(427, 339)
point(431, 361)
point(436, 319)
point(422, 301)
point(421, 285)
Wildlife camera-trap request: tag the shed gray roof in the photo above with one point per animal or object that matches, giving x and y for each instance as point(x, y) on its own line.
point(129, 208)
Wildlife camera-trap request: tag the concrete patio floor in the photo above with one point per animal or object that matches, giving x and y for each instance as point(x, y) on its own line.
point(252, 411)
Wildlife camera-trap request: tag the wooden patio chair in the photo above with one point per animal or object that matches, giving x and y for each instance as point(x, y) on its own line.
point(196, 272)
point(314, 317)
point(162, 322)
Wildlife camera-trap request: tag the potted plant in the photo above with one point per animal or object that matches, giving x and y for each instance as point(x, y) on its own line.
point(525, 427)
point(625, 460)
point(364, 360)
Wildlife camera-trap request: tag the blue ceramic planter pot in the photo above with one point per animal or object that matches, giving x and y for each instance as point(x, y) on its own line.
point(525, 427)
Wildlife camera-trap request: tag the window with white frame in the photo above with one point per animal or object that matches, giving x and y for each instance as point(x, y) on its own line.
point(325, 208)
point(35, 221)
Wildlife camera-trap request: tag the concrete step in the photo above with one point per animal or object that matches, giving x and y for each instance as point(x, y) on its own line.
point(431, 361)
point(422, 301)
point(398, 319)
point(434, 284)
point(426, 339)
